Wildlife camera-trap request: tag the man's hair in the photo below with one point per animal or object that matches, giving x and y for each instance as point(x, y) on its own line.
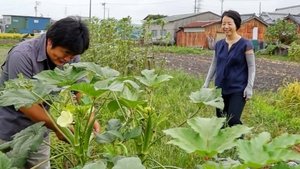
point(70, 33)
point(235, 16)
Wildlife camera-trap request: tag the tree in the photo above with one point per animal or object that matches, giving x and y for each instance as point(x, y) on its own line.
point(282, 32)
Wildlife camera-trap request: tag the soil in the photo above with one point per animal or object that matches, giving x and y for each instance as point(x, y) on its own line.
point(270, 74)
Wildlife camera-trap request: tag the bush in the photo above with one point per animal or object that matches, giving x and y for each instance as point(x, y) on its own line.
point(10, 36)
point(112, 45)
point(290, 96)
point(294, 52)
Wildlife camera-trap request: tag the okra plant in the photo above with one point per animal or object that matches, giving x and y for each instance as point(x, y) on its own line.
point(100, 88)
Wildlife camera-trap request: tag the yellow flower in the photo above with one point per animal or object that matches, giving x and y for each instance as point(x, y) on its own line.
point(65, 119)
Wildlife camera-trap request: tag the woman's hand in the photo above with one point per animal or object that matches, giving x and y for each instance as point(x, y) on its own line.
point(248, 93)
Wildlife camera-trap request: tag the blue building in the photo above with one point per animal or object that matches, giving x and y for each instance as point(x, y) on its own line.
point(25, 24)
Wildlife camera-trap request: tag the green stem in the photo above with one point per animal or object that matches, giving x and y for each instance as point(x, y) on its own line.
point(148, 135)
point(124, 148)
point(64, 131)
point(181, 124)
point(166, 167)
point(43, 162)
point(160, 165)
point(54, 148)
point(124, 114)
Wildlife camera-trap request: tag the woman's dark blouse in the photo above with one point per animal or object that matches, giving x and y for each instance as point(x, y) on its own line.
point(231, 68)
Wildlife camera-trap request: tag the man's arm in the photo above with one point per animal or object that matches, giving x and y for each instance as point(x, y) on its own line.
point(37, 114)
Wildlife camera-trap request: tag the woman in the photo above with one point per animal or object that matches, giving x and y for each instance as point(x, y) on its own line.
point(234, 67)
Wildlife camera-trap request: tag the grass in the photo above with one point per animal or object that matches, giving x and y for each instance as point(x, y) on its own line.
point(172, 99)
point(3, 52)
point(183, 50)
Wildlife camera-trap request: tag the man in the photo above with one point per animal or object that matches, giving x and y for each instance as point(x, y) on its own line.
point(63, 42)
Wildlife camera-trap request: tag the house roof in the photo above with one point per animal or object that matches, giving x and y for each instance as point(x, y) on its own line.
point(184, 16)
point(271, 17)
point(201, 24)
point(27, 16)
point(295, 18)
point(289, 7)
point(247, 17)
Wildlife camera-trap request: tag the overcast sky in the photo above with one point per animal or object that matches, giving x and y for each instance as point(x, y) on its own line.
point(137, 9)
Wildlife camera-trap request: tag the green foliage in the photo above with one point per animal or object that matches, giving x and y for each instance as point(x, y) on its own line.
point(183, 50)
point(69, 75)
point(260, 151)
point(290, 96)
point(206, 136)
point(270, 49)
point(227, 164)
point(208, 96)
point(5, 162)
point(294, 52)
point(129, 163)
point(123, 163)
point(282, 31)
point(112, 45)
point(24, 142)
point(100, 89)
point(154, 17)
point(150, 79)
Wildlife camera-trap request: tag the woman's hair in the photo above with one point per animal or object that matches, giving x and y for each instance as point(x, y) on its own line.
point(70, 33)
point(235, 16)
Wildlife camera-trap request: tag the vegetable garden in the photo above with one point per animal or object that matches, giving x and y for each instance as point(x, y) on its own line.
point(150, 117)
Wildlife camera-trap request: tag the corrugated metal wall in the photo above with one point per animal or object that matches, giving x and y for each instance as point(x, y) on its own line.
point(27, 24)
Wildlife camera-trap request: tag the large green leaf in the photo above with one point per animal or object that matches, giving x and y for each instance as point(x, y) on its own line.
point(111, 133)
point(25, 95)
point(86, 88)
point(151, 79)
point(18, 98)
point(133, 133)
point(95, 165)
point(129, 163)
point(206, 136)
point(109, 84)
point(62, 77)
point(5, 162)
point(261, 151)
point(103, 72)
point(226, 164)
point(24, 142)
point(208, 96)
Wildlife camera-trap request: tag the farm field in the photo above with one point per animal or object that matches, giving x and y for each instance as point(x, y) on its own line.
point(264, 112)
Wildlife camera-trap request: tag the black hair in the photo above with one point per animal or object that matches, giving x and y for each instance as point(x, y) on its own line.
point(235, 16)
point(70, 33)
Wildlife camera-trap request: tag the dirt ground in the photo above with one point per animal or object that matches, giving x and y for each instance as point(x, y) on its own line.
point(270, 74)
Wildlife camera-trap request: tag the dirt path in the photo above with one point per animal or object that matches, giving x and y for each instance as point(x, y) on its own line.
point(269, 74)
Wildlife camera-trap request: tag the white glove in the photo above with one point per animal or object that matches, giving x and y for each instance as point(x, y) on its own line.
point(248, 93)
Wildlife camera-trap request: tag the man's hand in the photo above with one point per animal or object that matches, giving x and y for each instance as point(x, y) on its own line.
point(97, 127)
point(61, 137)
